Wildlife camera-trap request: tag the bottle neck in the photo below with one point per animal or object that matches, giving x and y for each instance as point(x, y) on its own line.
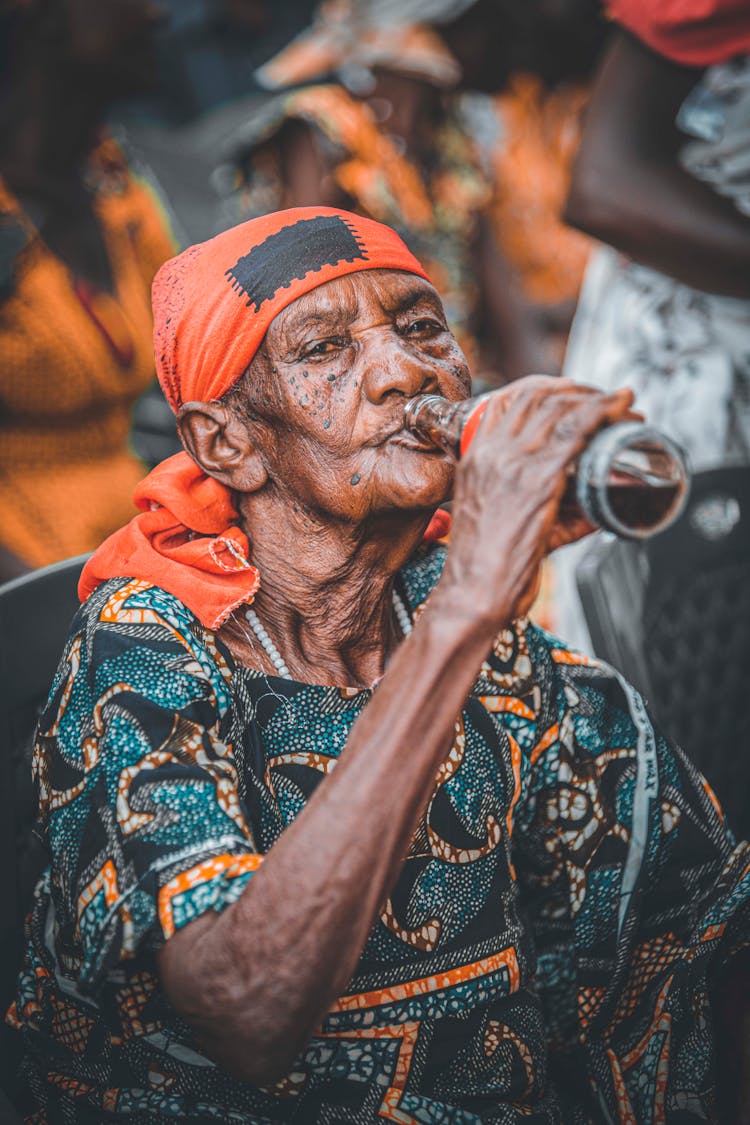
point(446, 425)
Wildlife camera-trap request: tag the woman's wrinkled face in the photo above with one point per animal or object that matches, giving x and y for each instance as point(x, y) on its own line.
point(337, 368)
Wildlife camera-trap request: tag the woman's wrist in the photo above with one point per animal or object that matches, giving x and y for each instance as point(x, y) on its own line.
point(465, 615)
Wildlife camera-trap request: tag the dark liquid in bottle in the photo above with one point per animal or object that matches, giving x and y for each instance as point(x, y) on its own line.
point(640, 506)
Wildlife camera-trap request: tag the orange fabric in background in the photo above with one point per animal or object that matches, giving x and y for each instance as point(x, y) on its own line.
point(69, 375)
point(691, 32)
point(208, 325)
point(540, 132)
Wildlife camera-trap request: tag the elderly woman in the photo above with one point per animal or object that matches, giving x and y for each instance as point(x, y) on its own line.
point(335, 834)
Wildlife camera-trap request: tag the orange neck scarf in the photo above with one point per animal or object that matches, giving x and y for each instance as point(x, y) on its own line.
point(186, 541)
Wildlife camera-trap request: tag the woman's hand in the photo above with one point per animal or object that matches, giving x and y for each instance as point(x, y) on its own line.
point(507, 510)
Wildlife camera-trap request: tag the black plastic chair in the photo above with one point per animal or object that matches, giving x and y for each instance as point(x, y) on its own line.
point(35, 615)
point(8, 1114)
point(673, 614)
point(153, 433)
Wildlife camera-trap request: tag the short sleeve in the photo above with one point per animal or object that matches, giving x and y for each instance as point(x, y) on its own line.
point(636, 891)
point(138, 789)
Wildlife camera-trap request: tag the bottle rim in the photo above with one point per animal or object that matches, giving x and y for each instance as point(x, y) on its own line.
point(595, 461)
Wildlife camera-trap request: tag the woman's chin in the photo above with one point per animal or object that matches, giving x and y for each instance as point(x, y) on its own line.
point(422, 497)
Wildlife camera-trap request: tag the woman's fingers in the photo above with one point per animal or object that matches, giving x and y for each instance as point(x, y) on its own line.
point(574, 421)
point(510, 505)
point(569, 528)
point(541, 409)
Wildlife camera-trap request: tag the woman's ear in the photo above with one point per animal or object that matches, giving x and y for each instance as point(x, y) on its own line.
point(218, 440)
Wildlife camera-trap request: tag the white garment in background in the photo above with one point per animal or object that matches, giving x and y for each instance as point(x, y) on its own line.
point(685, 353)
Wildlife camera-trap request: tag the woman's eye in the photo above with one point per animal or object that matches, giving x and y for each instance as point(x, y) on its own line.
point(324, 347)
point(425, 325)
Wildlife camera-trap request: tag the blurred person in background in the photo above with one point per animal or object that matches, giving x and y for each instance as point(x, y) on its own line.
point(539, 134)
point(386, 135)
point(80, 241)
point(663, 177)
point(533, 64)
point(553, 47)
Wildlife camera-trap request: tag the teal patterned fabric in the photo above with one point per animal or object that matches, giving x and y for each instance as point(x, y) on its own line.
point(545, 955)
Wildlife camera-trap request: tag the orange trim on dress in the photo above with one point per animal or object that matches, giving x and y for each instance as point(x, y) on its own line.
point(229, 865)
point(563, 656)
point(506, 959)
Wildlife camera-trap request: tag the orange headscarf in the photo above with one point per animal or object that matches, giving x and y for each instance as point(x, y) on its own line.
point(214, 302)
point(212, 307)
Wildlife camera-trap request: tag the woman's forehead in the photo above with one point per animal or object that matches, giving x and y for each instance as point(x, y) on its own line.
point(343, 298)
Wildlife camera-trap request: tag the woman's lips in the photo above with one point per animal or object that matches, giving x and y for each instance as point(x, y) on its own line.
point(409, 441)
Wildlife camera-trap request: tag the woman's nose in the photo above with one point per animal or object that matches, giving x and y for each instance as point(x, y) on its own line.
point(394, 369)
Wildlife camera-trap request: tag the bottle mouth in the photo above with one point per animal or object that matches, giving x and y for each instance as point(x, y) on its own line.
point(417, 403)
point(432, 420)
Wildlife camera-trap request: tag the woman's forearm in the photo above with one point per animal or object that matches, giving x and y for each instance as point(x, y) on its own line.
point(256, 980)
point(628, 188)
point(663, 218)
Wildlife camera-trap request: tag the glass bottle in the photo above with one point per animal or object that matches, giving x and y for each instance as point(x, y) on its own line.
point(631, 479)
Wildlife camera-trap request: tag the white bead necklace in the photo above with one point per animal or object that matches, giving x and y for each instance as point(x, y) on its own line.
point(270, 648)
point(402, 616)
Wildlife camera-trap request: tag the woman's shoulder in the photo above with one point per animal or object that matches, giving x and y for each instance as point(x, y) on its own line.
point(131, 622)
point(129, 601)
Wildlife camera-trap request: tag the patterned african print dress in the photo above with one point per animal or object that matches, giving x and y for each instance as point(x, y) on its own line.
point(544, 956)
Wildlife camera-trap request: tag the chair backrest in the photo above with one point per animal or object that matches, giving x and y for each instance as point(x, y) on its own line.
point(8, 1113)
point(35, 615)
point(673, 613)
point(612, 578)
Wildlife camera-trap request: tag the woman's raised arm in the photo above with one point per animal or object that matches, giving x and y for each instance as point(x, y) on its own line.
point(629, 189)
point(255, 980)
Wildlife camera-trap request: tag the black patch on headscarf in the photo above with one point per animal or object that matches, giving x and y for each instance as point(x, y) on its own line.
point(290, 254)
